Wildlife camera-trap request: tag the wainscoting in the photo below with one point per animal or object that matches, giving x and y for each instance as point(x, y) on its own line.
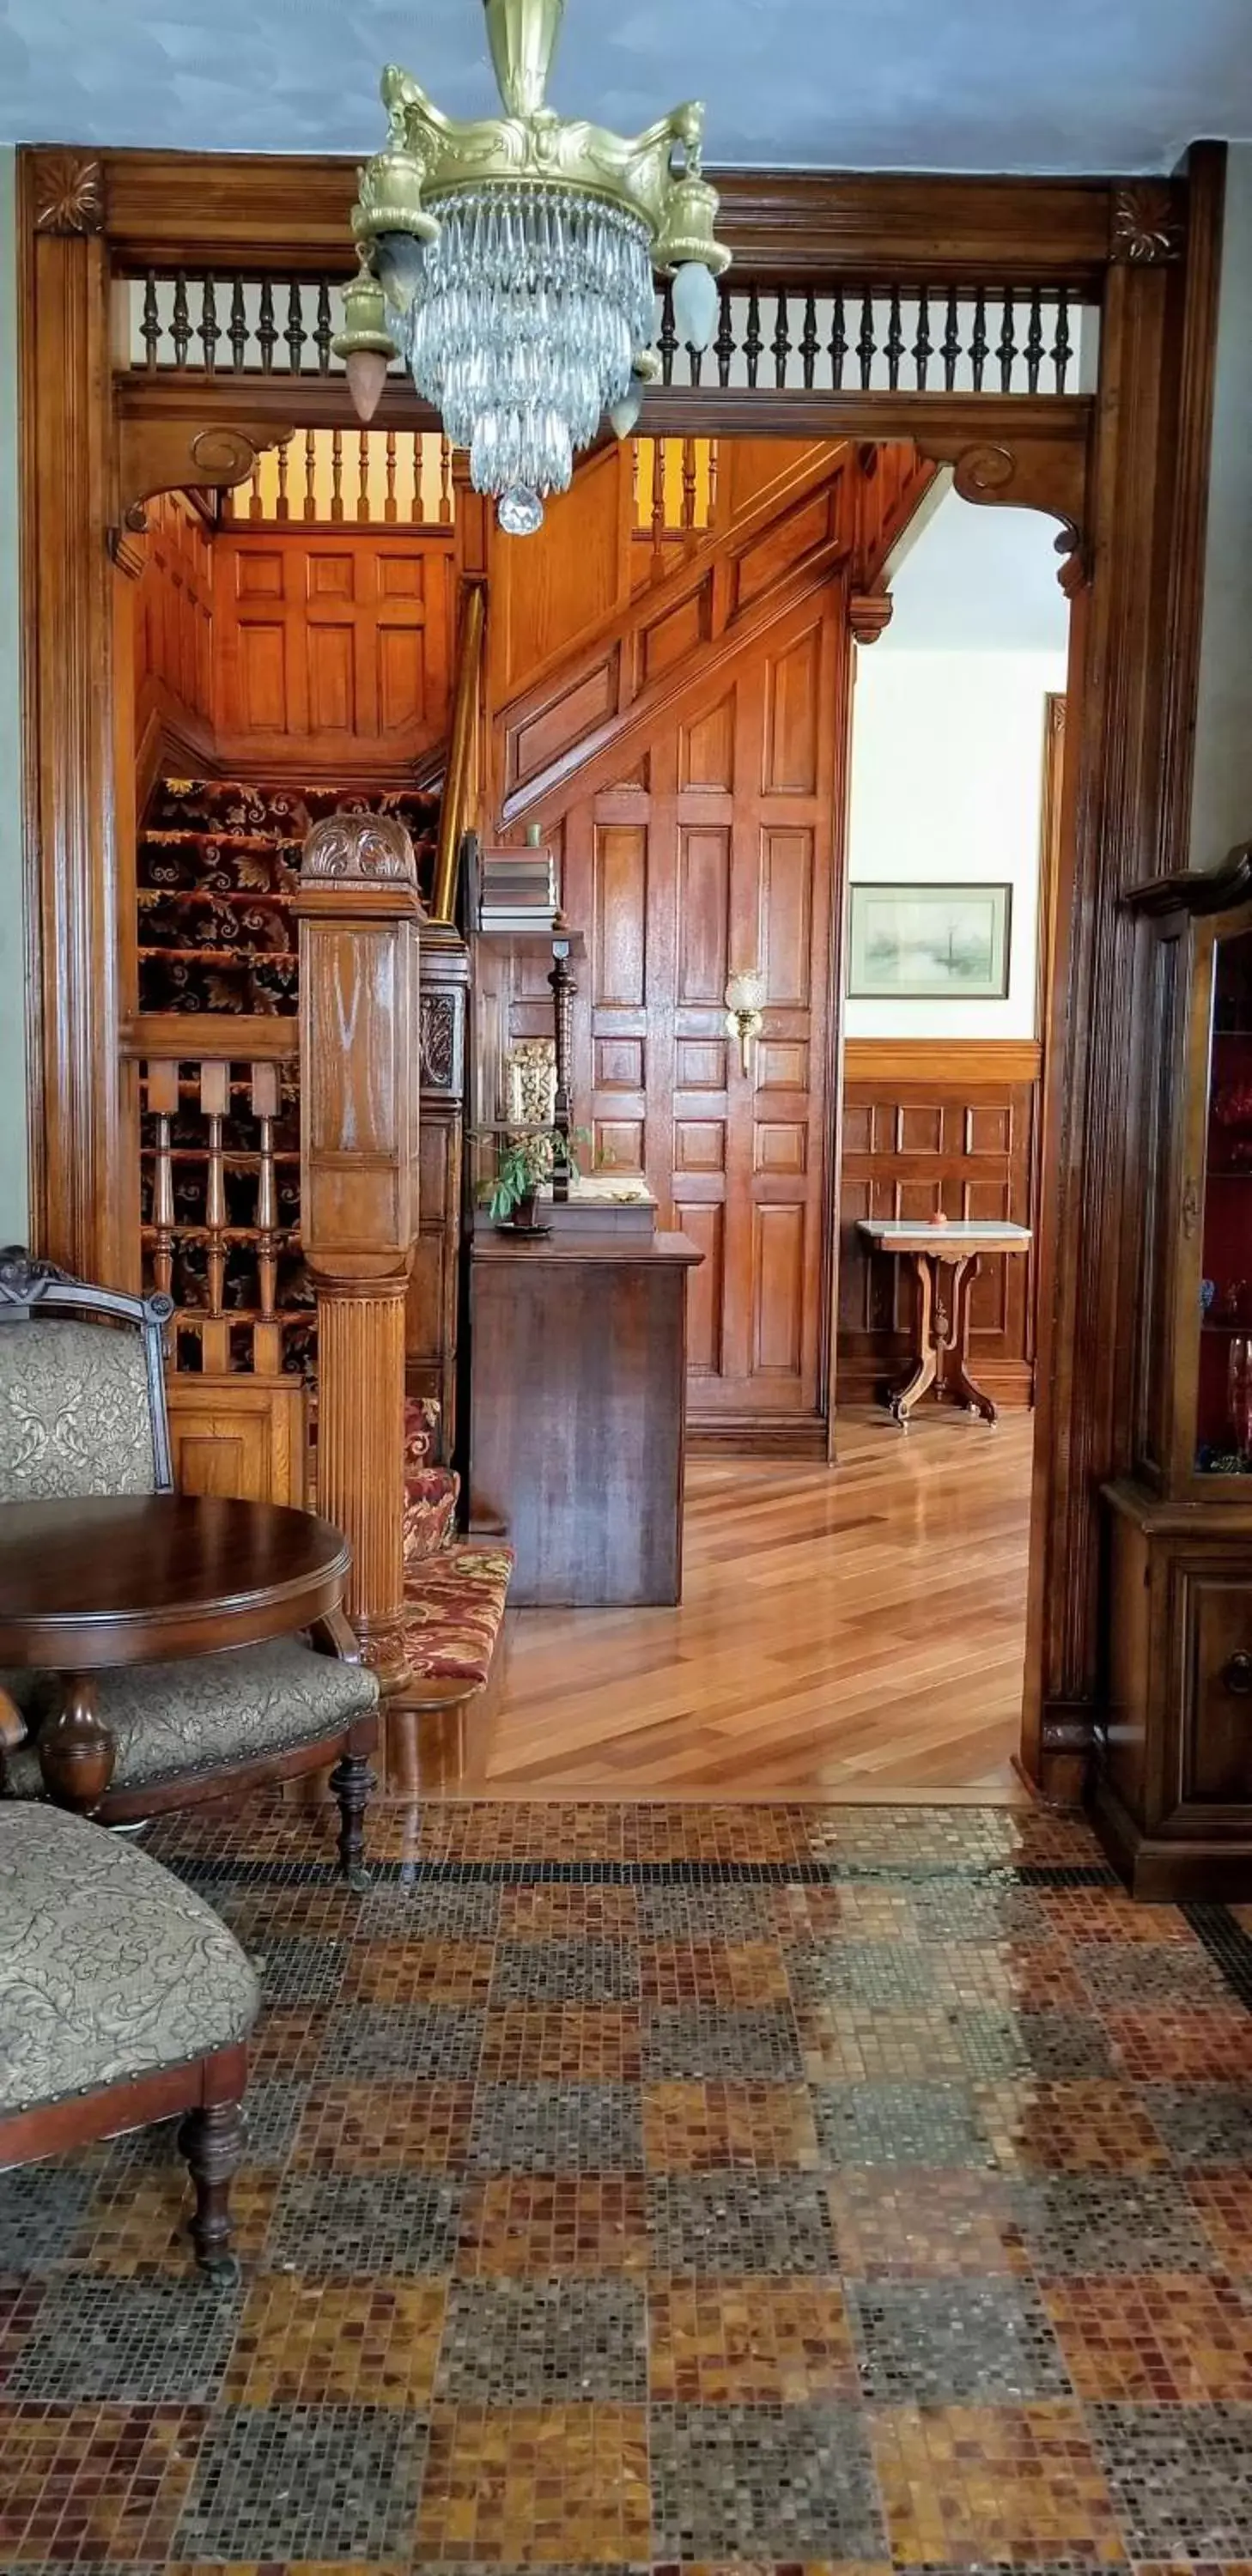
point(929, 1126)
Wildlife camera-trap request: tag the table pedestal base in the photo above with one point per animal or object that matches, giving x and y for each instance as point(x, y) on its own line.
point(942, 1337)
point(76, 1753)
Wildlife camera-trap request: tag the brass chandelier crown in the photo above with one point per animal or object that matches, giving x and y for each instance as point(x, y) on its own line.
point(514, 254)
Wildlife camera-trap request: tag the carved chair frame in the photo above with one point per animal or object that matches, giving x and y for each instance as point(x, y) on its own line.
point(1122, 470)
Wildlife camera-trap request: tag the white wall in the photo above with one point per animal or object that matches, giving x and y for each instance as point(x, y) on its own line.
point(948, 740)
point(1221, 810)
point(13, 1181)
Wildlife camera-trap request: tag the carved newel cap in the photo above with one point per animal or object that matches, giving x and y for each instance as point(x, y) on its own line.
point(361, 858)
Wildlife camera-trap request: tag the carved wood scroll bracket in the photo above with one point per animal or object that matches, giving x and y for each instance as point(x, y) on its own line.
point(869, 614)
point(374, 849)
point(1145, 223)
point(1034, 474)
point(175, 456)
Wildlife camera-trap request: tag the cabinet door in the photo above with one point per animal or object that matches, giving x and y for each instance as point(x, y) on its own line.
point(1215, 1741)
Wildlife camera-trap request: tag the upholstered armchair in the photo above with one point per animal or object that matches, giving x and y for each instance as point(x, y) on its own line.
point(123, 1999)
point(83, 1412)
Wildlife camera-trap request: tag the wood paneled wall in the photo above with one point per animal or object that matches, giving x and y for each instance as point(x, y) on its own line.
point(173, 635)
point(332, 650)
point(929, 1126)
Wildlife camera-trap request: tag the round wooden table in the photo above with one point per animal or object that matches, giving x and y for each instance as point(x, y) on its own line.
point(107, 1581)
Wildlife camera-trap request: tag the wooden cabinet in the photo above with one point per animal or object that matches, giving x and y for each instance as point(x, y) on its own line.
point(576, 1432)
point(1173, 1788)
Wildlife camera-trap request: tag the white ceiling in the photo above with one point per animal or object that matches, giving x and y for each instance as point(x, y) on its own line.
point(1069, 85)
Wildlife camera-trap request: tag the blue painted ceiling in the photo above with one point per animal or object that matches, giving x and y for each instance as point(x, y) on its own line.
point(1071, 85)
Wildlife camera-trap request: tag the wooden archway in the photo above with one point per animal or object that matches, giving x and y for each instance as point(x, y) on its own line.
point(1123, 470)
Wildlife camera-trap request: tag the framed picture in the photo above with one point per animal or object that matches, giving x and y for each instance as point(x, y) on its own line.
point(929, 942)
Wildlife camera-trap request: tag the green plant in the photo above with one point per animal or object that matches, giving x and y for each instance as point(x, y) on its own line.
point(524, 1163)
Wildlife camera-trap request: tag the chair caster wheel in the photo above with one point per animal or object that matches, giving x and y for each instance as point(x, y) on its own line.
point(221, 2271)
point(360, 1881)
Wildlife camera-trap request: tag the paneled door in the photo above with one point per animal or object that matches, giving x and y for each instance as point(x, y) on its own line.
point(717, 854)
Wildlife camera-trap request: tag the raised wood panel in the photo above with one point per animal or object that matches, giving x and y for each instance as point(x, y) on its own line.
point(682, 630)
point(173, 631)
point(619, 1144)
point(621, 897)
point(704, 1224)
point(793, 719)
point(699, 1145)
point(242, 1436)
point(704, 852)
point(551, 591)
point(782, 1064)
point(700, 1064)
point(568, 715)
point(330, 654)
point(706, 748)
point(786, 543)
point(786, 919)
point(778, 1291)
point(916, 1147)
point(619, 1064)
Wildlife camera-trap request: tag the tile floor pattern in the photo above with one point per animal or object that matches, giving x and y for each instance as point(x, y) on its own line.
point(764, 2188)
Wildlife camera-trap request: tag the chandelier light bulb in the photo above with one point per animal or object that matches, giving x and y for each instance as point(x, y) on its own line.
point(366, 372)
point(695, 304)
point(625, 413)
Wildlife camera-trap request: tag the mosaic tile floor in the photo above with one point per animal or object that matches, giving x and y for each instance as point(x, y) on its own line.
point(759, 2188)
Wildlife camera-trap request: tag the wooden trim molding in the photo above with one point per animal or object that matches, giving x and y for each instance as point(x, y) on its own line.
point(953, 1061)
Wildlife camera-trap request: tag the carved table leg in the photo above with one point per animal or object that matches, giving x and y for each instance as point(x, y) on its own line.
point(351, 1782)
point(212, 2141)
point(964, 1387)
point(77, 1753)
point(901, 1404)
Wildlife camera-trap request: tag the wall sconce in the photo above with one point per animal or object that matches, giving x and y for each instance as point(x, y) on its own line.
point(744, 996)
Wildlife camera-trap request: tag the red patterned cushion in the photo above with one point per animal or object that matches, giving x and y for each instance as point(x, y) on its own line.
point(421, 1424)
point(429, 1512)
point(453, 1606)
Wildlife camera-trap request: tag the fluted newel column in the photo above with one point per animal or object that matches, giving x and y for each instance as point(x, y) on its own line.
point(358, 911)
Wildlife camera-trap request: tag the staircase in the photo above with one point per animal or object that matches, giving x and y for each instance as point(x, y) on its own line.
point(217, 865)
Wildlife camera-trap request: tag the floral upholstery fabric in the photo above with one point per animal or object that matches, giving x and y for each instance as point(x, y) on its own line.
point(109, 1968)
point(74, 1415)
point(430, 1497)
point(421, 1431)
point(453, 1607)
point(202, 1715)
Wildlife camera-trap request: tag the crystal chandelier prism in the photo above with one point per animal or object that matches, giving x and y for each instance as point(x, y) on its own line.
point(511, 260)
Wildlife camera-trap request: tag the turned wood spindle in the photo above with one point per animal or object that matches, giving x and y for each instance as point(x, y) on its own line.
point(267, 1350)
point(445, 483)
point(214, 1104)
point(336, 474)
point(283, 506)
point(416, 505)
point(363, 476)
point(563, 988)
point(658, 509)
point(389, 506)
point(310, 474)
point(689, 493)
point(163, 1103)
point(256, 506)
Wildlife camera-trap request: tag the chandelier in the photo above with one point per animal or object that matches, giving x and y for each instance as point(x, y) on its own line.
point(511, 259)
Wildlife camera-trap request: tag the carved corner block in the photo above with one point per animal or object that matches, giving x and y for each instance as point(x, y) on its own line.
point(869, 615)
point(1146, 225)
point(68, 193)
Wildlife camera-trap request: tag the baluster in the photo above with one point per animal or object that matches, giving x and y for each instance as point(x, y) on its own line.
point(658, 509)
point(725, 341)
point(780, 343)
point(181, 325)
point(978, 340)
point(323, 333)
point(214, 1105)
point(667, 337)
point(636, 520)
point(256, 505)
point(209, 332)
point(1006, 346)
point(895, 341)
point(389, 505)
point(417, 504)
point(923, 344)
point(713, 460)
point(267, 1339)
point(237, 331)
point(1034, 343)
point(363, 475)
point(950, 347)
point(151, 321)
point(282, 507)
point(445, 482)
point(163, 1102)
point(267, 328)
point(336, 474)
point(1062, 349)
point(310, 474)
point(867, 346)
point(689, 493)
point(752, 341)
point(838, 342)
point(809, 343)
point(295, 334)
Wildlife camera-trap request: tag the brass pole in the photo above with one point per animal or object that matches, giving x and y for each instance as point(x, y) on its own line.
point(453, 819)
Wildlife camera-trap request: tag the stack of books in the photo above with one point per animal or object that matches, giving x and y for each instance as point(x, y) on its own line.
point(517, 890)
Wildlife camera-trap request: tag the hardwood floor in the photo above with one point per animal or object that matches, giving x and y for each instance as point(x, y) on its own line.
point(845, 1632)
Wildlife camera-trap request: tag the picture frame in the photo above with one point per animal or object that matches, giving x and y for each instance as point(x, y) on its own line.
point(926, 943)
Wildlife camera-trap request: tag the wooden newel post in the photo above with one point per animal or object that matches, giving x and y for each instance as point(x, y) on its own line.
point(359, 910)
